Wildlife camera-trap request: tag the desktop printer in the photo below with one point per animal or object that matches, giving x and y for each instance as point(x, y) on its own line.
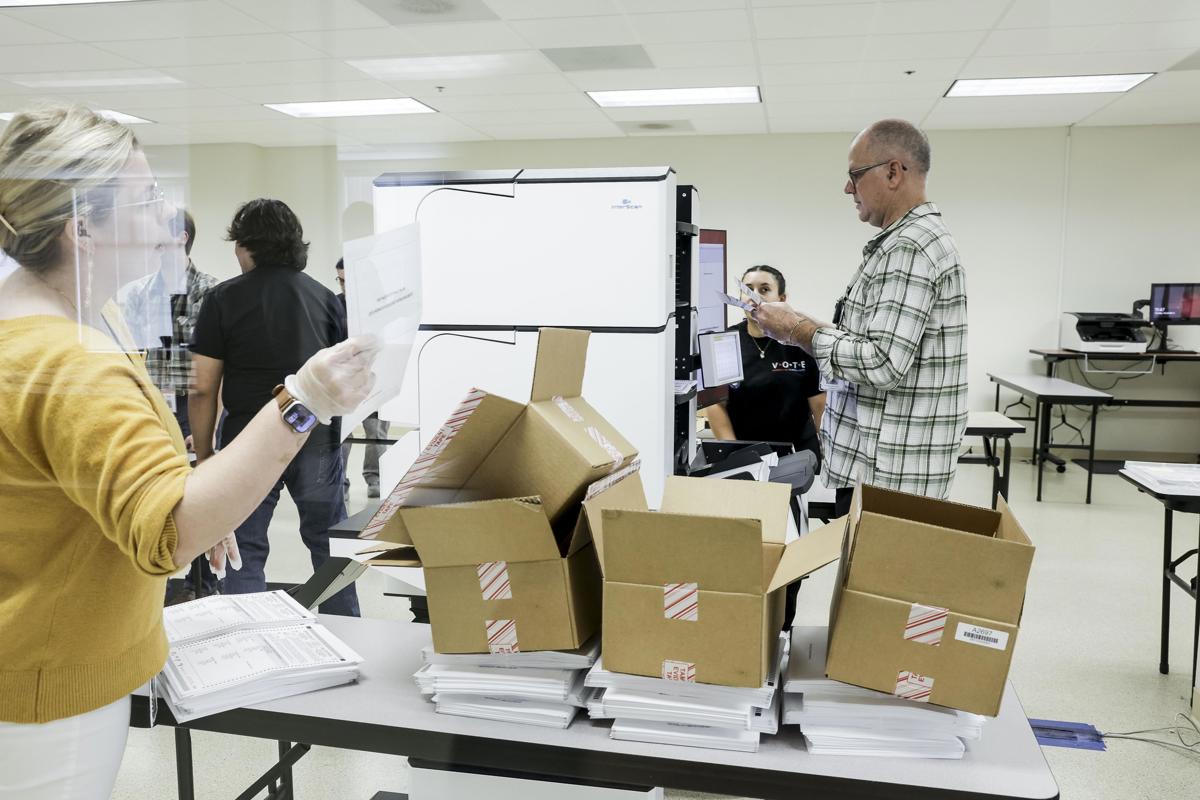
point(1092, 332)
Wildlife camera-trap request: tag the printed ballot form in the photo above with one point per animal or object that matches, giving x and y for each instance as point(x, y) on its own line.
point(383, 298)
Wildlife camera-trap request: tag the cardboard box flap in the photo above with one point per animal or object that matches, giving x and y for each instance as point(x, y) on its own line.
point(515, 529)
point(623, 490)
point(809, 553)
point(585, 432)
point(653, 548)
point(1010, 530)
point(458, 452)
point(766, 502)
point(558, 367)
point(943, 513)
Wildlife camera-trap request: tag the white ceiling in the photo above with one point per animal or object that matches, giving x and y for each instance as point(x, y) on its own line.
point(823, 65)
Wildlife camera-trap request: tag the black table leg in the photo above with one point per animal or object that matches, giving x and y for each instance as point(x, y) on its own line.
point(183, 764)
point(1164, 643)
point(285, 778)
point(1196, 615)
point(1043, 446)
point(1004, 474)
point(1092, 451)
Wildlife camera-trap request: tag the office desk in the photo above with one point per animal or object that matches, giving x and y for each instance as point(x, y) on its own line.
point(992, 425)
point(1187, 504)
point(1053, 357)
point(1047, 393)
point(384, 713)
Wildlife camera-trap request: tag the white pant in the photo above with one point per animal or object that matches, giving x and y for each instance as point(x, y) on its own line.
point(76, 758)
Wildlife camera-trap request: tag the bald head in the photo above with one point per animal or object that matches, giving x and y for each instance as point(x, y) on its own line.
point(896, 138)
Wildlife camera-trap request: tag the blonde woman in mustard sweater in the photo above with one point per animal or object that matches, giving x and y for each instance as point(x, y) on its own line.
point(97, 502)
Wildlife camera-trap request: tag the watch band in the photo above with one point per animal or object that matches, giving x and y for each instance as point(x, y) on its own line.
point(282, 396)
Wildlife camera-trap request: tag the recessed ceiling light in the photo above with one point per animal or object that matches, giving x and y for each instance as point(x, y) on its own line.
point(676, 97)
point(353, 108)
point(27, 3)
point(1066, 84)
point(91, 80)
point(464, 66)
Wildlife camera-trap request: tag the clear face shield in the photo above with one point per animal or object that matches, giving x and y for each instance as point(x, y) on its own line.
point(130, 269)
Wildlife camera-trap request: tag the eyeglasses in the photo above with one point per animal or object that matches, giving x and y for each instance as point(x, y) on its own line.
point(155, 198)
point(855, 174)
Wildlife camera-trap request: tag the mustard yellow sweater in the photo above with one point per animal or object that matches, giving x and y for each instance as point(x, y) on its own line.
point(91, 465)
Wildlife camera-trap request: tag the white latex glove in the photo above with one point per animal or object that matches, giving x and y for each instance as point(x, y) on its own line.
point(337, 379)
point(224, 552)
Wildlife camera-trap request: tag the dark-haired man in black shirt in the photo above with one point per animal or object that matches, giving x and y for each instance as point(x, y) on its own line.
point(253, 331)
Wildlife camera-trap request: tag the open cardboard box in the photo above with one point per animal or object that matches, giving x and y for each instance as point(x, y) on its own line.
point(492, 507)
point(694, 591)
point(928, 599)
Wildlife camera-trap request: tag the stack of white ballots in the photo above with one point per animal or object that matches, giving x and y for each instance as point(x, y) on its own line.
point(538, 688)
point(840, 719)
point(229, 651)
point(659, 711)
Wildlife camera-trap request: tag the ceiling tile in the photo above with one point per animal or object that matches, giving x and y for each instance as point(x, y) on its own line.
point(1014, 112)
point(697, 26)
point(544, 9)
point(665, 78)
point(1168, 98)
point(957, 44)
point(314, 92)
point(482, 119)
point(717, 127)
point(464, 37)
point(1039, 13)
point(59, 58)
point(408, 128)
point(213, 50)
point(931, 16)
point(451, 104)
point(608, 56)
point(450, 67)
point(1074, 64)
point(152, 100)
point(576, 32)
point(310, 15)
point(730, 113)
point(675, 6)
point(130, 21)
point(932, 69)
point(421, 12)
point(193, 113)
point(891, 90)
point(362, 43)
point(807, 51)
point(1092, 39)
point(224, 75)
point(713, 54)
point(912, 110)
point(557, 131)
point(550, 83)
point(788, 22)
point(13, 31)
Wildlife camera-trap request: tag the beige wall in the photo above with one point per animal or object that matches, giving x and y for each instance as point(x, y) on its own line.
point(1096, 215)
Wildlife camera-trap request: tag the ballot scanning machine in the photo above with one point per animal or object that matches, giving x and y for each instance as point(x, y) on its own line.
point(505, 252)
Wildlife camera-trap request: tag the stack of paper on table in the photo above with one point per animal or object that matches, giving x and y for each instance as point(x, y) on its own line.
point(839, 719)
point(229, 651)
point(1166, 478)
point(536, 688)
point(677, 712)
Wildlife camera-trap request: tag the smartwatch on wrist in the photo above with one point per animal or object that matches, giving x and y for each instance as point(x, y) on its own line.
point(295, 414)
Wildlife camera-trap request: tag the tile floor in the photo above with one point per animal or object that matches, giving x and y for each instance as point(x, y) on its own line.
point(1088, 651)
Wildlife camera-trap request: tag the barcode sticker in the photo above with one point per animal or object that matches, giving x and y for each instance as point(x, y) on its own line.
point(975, 634)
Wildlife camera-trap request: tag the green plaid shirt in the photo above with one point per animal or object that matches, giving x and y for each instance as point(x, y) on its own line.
point(896, 364)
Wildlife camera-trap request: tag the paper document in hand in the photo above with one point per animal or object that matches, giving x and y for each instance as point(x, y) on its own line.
point(383, 298)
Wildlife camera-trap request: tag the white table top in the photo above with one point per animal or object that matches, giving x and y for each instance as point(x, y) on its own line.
point(1007, 762)
point(1043, 386)
point(991, 422)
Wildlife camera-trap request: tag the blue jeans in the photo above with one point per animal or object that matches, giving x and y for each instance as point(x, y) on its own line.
point(314, 480)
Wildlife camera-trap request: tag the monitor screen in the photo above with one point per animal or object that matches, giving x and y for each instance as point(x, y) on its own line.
point(720, 359)
point(1175, 303)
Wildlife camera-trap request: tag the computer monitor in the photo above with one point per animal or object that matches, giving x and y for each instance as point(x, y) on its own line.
point(1175, 303)
point(720, 359)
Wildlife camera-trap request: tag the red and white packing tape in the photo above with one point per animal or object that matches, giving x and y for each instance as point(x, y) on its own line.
point(681, 601)
point(926, 624)
point(502, 637)
point(911, 686)
point(684, 671)
point(493, 580)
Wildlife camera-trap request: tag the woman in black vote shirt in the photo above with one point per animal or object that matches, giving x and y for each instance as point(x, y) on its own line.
point(780, 397)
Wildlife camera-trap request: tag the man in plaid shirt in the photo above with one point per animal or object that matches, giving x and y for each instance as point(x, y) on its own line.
point(894, 359)
point(161, 311)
